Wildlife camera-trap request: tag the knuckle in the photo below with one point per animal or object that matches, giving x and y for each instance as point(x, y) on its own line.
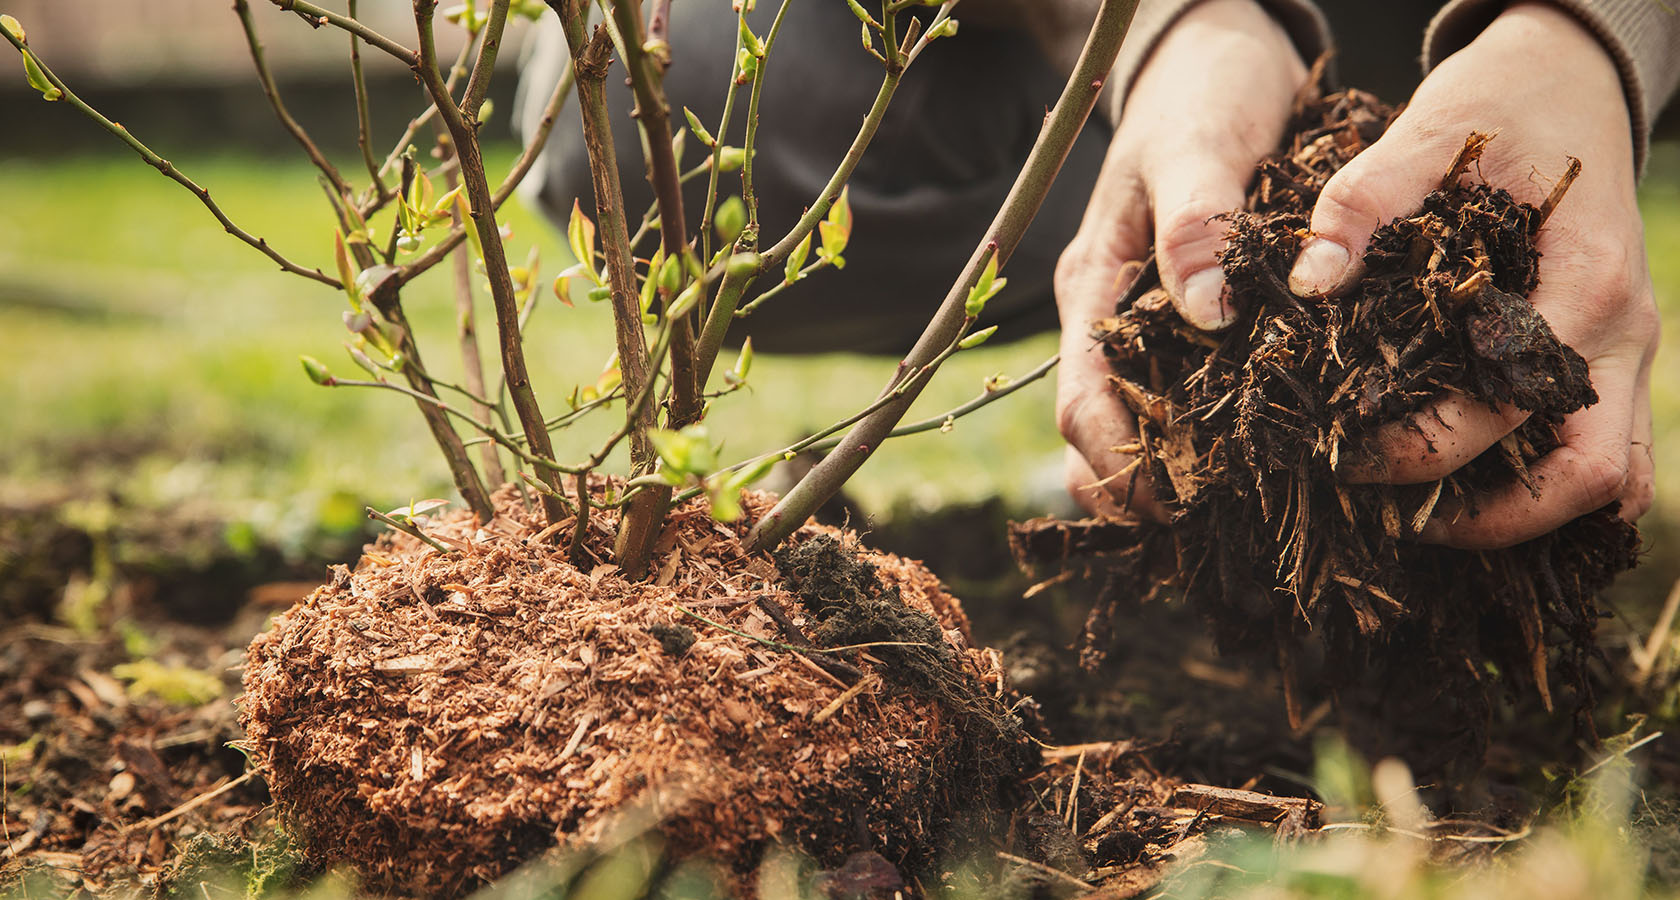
point(1350, 205)
point(1070, 413)
point(1641, 493)
point(1189, 235)
point(1601, 479)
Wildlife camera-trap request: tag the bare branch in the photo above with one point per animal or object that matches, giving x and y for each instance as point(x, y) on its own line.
point(1060, 130)
point(316, 17)
point(168, 169)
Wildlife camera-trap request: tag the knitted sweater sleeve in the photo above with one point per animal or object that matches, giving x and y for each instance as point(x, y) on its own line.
point(1300, 18)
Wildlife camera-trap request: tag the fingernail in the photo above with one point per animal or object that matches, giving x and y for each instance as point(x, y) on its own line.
point(1434, 532)
point(1319, 268)
point(1204, 303)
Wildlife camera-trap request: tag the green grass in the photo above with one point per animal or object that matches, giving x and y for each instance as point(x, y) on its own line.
point(129, 320)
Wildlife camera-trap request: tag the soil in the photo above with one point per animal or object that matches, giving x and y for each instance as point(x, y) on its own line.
point(432, 719)
point(1242, 434)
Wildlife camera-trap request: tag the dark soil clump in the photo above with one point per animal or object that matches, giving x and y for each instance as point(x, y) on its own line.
point(435, 719)
point(1243, 433)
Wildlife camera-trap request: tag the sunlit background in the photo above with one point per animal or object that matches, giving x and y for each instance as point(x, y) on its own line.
point(152, 358)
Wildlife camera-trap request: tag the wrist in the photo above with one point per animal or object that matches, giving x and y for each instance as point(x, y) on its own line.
point(1550, 39)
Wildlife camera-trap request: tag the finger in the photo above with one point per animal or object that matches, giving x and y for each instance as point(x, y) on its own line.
point(1188, 190)
point(1431, 444)
point(1586, 473)
point(1641, 488)
point(1099, 498)
point(1389, 179)
point(1097, 426)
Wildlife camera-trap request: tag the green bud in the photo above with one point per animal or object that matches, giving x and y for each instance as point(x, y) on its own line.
point(744, 265)
point(12, 27)
point(699, 129)
point(862, 14)
point(747, 64)
point(731, 158)
point(670, 274)
point(686, 301)
point(949, 29)
point(730, 219)
point(596, 295)
point(317, 372)
point(486, 110)
point(977, 338)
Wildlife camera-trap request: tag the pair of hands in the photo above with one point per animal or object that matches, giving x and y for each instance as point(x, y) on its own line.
point(1214, 98)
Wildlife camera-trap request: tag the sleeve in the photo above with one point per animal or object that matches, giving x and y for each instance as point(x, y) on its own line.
point(1642, 36)
point(1305, 24)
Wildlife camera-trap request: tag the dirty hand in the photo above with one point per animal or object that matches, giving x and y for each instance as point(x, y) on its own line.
point(1547, 89)
point(1212, 100)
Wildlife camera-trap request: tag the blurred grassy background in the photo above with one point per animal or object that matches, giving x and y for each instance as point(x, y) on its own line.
point(143, 348)
point(147, 350)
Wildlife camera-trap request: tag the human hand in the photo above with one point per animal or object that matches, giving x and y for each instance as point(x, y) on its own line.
point(1548, 90)
point(1213, 99)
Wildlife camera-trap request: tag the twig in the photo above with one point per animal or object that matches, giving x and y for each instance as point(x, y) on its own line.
point(1041, 868)
point(479, 84)
point(190, 805)
point(834, 706)
point(1661, 634)
point(653, 113)
point(1622, 754)
point(1558, 190)
point(1061, 128)
point(316, 17)
point(168, 169)
point(640, 524)
point(482, 211)
point(364, 122)
point(408, 528)
point(272, 92)
point(521, 167)
point(472, 364)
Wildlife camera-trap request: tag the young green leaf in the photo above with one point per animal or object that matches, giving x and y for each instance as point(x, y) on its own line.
point(346, 271)
point(38, 78)
point(650, 283)
point(743, 363)
point(580, 234)
point(416, 509)
point(750, 41)
point(796, 260)
point(836, 230)
point(985, 288)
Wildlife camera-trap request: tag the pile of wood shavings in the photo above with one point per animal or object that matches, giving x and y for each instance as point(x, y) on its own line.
point(435, 719)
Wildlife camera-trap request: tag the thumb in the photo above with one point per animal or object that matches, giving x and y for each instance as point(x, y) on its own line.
point(1388, 180)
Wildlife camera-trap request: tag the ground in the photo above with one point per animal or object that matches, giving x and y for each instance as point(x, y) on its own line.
point(159, 429)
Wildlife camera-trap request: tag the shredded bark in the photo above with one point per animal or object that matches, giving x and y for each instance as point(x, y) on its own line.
point(1242, 435)
point(434, 719)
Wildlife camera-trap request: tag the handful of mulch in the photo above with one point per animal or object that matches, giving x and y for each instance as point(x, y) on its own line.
point(1242, 433)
